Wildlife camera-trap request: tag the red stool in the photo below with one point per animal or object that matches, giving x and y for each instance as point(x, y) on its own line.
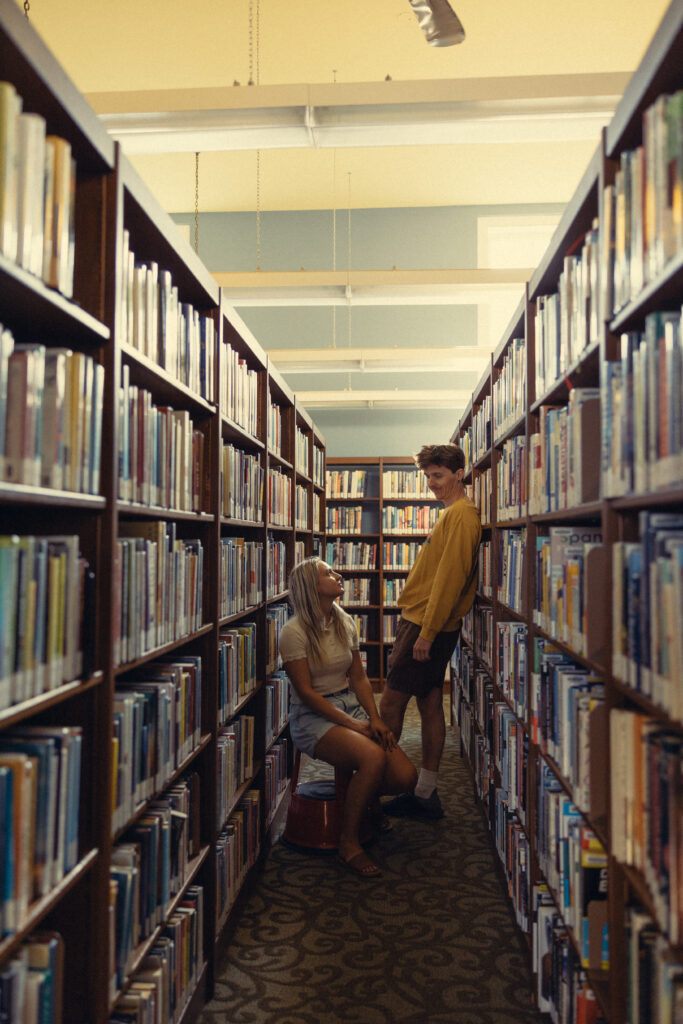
point(316, 810)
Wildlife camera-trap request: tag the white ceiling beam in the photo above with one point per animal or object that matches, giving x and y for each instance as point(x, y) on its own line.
point(455, 400)
point(467, 286)
point(443, 111)
point(463, 358)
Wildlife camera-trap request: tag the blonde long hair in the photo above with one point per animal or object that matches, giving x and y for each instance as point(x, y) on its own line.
point(305, 600)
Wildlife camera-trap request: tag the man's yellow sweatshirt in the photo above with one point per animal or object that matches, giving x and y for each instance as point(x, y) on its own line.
point(441, 585)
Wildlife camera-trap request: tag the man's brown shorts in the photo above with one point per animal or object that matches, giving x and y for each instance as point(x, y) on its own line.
point(418, 678)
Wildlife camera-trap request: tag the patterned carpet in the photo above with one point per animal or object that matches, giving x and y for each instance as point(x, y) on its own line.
point(433, 940)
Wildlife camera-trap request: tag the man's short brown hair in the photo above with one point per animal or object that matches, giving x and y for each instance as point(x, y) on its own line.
point(449, 455)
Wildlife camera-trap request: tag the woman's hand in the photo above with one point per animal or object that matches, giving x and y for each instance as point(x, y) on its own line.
point(382, 734)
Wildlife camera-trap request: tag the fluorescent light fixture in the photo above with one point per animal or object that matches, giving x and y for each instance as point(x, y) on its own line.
point(467, 286)
point(425, 399)
point(533, 119)
point(459, 358)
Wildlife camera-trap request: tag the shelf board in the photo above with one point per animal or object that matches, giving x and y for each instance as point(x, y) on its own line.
point(32, 310)
point(664, 293)
point(242, 524)
point(674, 496)
point(592, 510)
point(147, 374)
point(23, 494)
point(242, 703)
point(172, 645)
point(132, 509)
point(42, 906)
point(282, 596)
point(584, 372)
point(251, 610)
point(514, 430)
point(274, 456)
point(231, 430)
point(42, 701)
point(580, 659)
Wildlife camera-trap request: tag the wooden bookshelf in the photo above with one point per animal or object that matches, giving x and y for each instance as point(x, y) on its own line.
point(114, 210)
point(379, 505)
point(518, 783)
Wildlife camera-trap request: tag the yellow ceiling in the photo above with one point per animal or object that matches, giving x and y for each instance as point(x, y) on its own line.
point(172, 44)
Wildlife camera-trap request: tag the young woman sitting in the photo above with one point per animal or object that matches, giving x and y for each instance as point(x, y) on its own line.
point(333, 716)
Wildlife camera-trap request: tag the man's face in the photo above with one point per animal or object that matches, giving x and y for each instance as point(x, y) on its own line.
point(442, 482)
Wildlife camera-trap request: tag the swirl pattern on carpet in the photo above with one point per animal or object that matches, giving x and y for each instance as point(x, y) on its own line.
point(432, 940)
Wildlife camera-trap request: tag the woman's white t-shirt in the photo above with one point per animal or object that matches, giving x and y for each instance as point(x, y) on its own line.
point(330, 676)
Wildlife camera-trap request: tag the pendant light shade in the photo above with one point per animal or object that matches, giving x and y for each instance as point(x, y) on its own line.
point(438, 21)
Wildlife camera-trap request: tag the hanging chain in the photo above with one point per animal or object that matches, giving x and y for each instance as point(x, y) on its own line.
point(348, 258)
point(258, 209)
point(27, 8)
point(255, 67)
point(196, 202)
point(334, 241)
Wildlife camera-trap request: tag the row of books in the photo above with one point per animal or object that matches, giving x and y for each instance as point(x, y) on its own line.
point(279, 498)
point(511, 549)
point(158, 848)
point(646, 822)
point(40, 780)
point(398, 554)
point(275, 427)
point(512, 480)
point(161, 986)
point(566, 323)
point(562, 987)
point(569, 561)
point(318, 466)
point(158, 587)
point(37, 195)
point(642, 428)
point(564, 700)
point(241, 485)
point(511, 664)
point(485, 570)
point(409, 518)
point(239, 391)
point(47, 615)
point(235, 765)
point(236, 667)
point(389, 624)
point(50, 416)
point(317, 514)
point(302, 448)
point(508, 756)
point(162, 458)
point(512, 845)
point(648, 610)
point(361, 622)
point(345, 519)
point(404, 483)
point(277, 567)
point(509, 388)
point(301, 508)
point(643, 206)
point(32, 980)
point(573, 862)
point(482, 495)
point(478, 628)
point(156, 726)
point(351, 554)
point(276, 777)
point(481, 429)
point(241, 575)
point(653, 974)
point(276, 616)
point(347, 483)
point(564, 467)
point(237, 848)
point(356, 591)
point(277, 704)
point(391, 590)
point(173, 334)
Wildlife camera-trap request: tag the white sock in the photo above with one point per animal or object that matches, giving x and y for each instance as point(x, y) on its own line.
point(426, 783)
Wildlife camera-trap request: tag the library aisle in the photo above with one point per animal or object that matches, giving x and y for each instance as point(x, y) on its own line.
point(431, 942)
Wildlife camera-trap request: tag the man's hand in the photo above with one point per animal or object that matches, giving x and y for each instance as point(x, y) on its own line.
point(422, 649)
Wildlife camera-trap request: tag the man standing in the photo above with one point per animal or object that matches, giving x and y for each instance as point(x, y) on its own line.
point(438, 592)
